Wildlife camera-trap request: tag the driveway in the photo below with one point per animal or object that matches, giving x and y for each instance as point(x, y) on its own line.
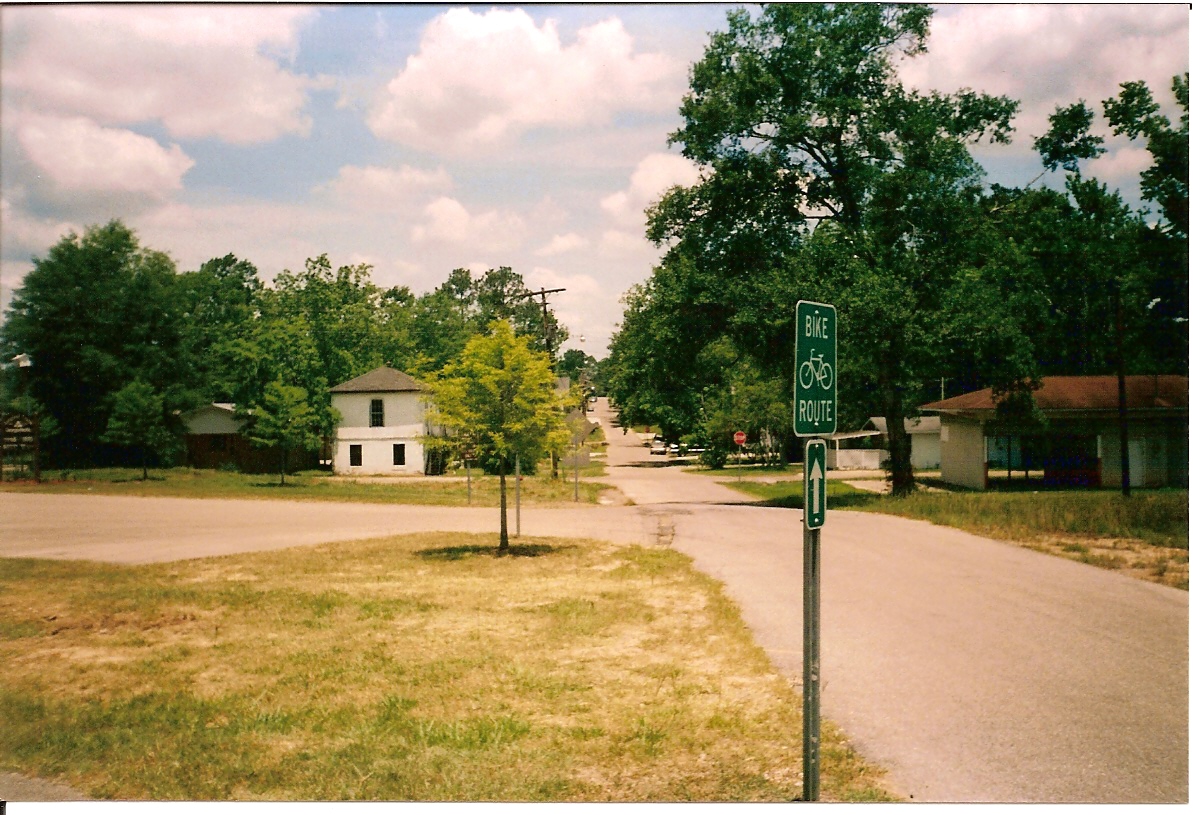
point(972, 669)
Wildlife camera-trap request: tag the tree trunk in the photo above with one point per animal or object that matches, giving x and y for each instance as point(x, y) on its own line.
point(283, 465)
point(504, 545)
point(144, 464)
point(898, 440)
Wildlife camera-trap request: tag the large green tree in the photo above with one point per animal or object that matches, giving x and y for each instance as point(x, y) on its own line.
point(1137, 260)
point(96, 313)
point(285, 420)
point(138, 420)
point(500, 394)
point(801, 126)
point(219, 303)
point(464, 306)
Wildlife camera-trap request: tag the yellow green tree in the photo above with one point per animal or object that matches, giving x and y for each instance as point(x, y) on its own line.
point(501, 393)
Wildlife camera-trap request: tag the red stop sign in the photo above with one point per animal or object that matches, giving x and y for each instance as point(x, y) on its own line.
point(739, 437)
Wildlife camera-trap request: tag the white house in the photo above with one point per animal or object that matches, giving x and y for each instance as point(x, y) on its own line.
point(381, 426)
point(1080, 444)
point(925, 439)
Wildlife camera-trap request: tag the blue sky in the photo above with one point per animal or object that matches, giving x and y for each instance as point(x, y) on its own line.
point(421, 138)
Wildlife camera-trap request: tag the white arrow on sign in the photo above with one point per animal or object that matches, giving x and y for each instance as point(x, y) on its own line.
point(815, 476)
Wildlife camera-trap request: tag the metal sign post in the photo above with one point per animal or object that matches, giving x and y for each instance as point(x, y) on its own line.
point(814, 512)
point(739, 438)
point(814, 414)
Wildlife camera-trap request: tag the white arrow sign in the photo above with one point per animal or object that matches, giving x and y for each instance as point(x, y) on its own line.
point(815, 497)
point(816, 482)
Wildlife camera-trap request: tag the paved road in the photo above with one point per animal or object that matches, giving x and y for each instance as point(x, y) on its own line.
point(973, 670)
point(122, 529)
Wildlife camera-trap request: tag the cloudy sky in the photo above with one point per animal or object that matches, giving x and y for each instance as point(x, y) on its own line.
point(421, 138)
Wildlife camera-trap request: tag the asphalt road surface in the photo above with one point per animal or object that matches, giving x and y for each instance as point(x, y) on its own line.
point(973, 670)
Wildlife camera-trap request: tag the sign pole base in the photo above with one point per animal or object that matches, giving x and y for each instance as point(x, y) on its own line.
point(811, 664)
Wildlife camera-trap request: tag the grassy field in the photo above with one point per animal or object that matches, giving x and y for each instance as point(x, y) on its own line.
point(420, 668)
point(452, 490)
point(1146, 535)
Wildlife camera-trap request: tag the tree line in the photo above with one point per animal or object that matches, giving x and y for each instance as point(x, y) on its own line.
point(824, 178)
point(122, 343)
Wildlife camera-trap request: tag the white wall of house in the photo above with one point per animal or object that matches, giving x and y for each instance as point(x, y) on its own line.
point(855, 459)
point(1147, 456)
point(403, 424)
point(925, 451)
point(962, 453)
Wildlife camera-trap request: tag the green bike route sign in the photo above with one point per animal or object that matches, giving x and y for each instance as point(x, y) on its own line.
point(815, 369)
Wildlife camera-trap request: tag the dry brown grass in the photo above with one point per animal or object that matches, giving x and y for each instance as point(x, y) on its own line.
point(420, 667)
point(1168, 566)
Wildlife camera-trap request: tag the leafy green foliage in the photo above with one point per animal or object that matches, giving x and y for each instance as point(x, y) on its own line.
point(1068, 139)
point(138, 420)
point(1116, 255)
point(100, 312)
point(284, 419)
point(823, 179)
point(95, 314)
point(1135, 113)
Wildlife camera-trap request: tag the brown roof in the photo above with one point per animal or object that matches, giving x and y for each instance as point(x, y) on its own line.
point(1086, 393)
point(379, 380)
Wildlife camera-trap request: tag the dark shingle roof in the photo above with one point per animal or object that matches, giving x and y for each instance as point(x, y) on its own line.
point(379, 380)
point(1087, 393)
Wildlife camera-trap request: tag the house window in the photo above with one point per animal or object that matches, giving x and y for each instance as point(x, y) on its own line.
point(399, 455)
point(354, 455)
point(376, 413)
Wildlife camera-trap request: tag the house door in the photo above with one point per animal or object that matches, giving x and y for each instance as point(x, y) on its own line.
point(1136, 461)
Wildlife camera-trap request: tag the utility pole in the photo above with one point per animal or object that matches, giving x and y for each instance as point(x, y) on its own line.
point(1120, 370)
point(542, 292)
point(546, 320)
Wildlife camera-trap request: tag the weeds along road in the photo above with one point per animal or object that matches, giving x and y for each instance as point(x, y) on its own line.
point(973, 670)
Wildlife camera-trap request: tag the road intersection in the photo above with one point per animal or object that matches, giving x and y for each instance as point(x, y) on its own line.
point(973, 670)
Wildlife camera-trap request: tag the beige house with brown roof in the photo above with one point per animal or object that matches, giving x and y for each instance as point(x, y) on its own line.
point(1080, 442)
point(382, 424)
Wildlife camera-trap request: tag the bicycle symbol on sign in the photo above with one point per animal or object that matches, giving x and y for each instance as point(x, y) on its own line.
point(815, 369)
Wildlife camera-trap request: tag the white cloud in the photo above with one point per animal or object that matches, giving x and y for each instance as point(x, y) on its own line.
point(385, 188)
point(77, 154)
point(1121, 163)
point(561, 244)
point(449, 222)
point(619, 243)
point(583, 306)
point(654, 175)
point(480, 79)
point(202, 71)
point(1047, 55)
point(26, 235)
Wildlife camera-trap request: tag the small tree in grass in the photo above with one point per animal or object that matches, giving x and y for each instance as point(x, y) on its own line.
point(501, 393)
point(284, 419)
point(138, 420)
